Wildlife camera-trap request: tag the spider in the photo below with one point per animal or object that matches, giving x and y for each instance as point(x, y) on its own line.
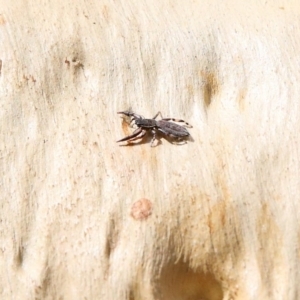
point(164, 125)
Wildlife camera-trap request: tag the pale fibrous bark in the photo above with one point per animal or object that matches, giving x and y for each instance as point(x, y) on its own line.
point(83, 217)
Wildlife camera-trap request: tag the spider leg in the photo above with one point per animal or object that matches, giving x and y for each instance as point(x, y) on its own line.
point(159, 113)
point(178, 120)
point(179, 141)
point(139, 136)
point(172, 119)
point(133, 135)
point(154, 138)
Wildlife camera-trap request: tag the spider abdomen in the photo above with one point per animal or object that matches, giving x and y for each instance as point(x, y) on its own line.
point(172, 129)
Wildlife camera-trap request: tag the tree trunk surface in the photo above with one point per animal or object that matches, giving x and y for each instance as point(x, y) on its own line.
point(84, 217)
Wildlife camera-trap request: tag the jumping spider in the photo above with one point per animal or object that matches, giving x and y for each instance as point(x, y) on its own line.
point(164, 126)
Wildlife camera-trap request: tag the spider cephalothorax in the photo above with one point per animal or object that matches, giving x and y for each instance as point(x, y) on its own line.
point(164, 126)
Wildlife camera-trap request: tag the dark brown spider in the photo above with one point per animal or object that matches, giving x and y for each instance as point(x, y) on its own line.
point(164, 126)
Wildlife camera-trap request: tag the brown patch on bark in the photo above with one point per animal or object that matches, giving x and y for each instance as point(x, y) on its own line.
point(241, 99)
point(210, 87)
point(105, 13)
point(178, 281)
point(141, 209)
point(2, 20)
